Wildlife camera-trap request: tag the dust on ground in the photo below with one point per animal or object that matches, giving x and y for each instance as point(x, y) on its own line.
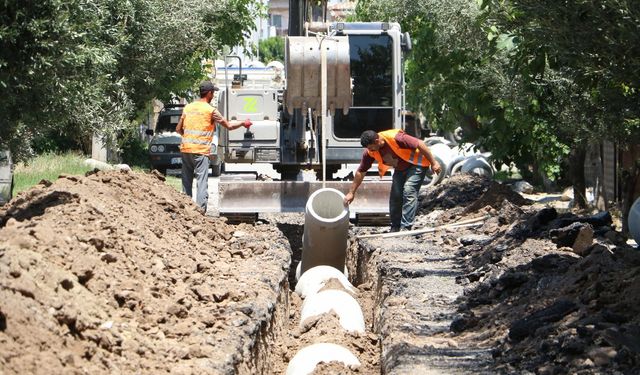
point(545, 292)
point(118, 272)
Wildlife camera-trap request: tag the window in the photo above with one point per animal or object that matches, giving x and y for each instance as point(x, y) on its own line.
point(276, 20)
point(371, 62)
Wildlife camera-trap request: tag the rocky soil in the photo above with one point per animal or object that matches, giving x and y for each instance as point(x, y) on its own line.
point(118, 273)
point(530, 291)
point(552, 293)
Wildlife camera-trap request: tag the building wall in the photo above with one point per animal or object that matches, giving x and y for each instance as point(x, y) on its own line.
point(279, 8)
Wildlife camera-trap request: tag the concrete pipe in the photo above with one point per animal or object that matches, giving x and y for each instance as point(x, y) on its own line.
point(634, 221)
point(478, 165)
point(342, 303)
point(326, 226)
point(457, 161)
point(431, 179)
point(299, 271)
point(445, 153)
point(314, 279)
point(305, 361)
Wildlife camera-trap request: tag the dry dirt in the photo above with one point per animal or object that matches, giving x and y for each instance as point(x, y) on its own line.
point(118, 273)
point(546, 302)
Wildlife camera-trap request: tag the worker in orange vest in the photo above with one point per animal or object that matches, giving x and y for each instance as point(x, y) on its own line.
point(197, 125)
point(410, 158)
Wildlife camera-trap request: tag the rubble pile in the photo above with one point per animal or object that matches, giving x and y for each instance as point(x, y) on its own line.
point(548, 293)
point(116, 272)
point(456, 191)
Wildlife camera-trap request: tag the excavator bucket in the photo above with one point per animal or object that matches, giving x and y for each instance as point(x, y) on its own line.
point(304, 73)
point(242, 200)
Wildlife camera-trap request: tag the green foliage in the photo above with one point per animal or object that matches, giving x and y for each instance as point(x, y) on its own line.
point(174, 182)
point(81, 67)
point(588, 52)
point(47, 166)
point(134, 149)
point(271, 49)
point(532, 79)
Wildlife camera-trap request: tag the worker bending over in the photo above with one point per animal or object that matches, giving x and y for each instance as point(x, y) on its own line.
point(410, 158)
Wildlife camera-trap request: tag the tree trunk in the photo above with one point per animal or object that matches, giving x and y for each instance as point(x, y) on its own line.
point(600, 191)
point(576, 158)
point(628, 181)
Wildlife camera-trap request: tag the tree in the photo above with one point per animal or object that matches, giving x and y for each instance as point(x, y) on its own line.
point(536, 80)
point(593, 52)
point(76, 68)
point(271, 49)
point(459, 75)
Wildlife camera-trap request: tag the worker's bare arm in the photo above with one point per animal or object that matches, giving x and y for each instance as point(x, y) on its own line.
point(180, 126)
point(231, 125)
point(424, 150)
point(357, 180)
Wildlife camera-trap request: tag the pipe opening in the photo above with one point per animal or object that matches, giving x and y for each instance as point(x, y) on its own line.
point(327, 205)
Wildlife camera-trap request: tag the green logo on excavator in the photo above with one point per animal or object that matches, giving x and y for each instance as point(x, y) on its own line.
point(250, 104)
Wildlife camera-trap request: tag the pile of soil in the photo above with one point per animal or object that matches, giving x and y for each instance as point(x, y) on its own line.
point(548, 293)
point(117, 272)
point(457, 191)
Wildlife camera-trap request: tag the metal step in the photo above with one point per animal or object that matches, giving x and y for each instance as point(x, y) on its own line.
point(372, 220)
point(238, 218)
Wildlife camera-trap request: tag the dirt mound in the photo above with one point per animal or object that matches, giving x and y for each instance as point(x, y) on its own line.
point(495, 195)
point(118, 273)
point(543, 307)
point(458, 190)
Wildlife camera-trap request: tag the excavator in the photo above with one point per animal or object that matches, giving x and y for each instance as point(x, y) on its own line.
point(339, 79)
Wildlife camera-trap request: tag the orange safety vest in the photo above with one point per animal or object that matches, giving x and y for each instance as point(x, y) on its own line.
point(198, 128)
point(412, 156)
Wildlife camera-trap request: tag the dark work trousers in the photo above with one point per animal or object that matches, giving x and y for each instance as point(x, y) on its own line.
point(403, 201)
point(198, 165)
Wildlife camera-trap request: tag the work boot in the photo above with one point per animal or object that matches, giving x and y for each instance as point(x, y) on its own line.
point(394, 229)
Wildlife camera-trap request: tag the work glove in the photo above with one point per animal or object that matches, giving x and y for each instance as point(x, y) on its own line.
point(247, 123)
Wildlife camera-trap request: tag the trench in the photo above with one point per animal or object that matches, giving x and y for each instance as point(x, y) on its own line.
point(285, 336)
point(408, 295)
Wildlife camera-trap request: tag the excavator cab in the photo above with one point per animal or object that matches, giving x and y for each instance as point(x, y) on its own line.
point(363, 88)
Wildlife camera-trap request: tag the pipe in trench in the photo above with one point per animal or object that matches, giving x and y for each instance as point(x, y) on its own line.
point(341, 303)
point(326, 226)
point(305, 361)
point(315, 279)
point(324, 249)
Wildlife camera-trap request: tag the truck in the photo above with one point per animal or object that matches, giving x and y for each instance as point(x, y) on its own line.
point(339, 79)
